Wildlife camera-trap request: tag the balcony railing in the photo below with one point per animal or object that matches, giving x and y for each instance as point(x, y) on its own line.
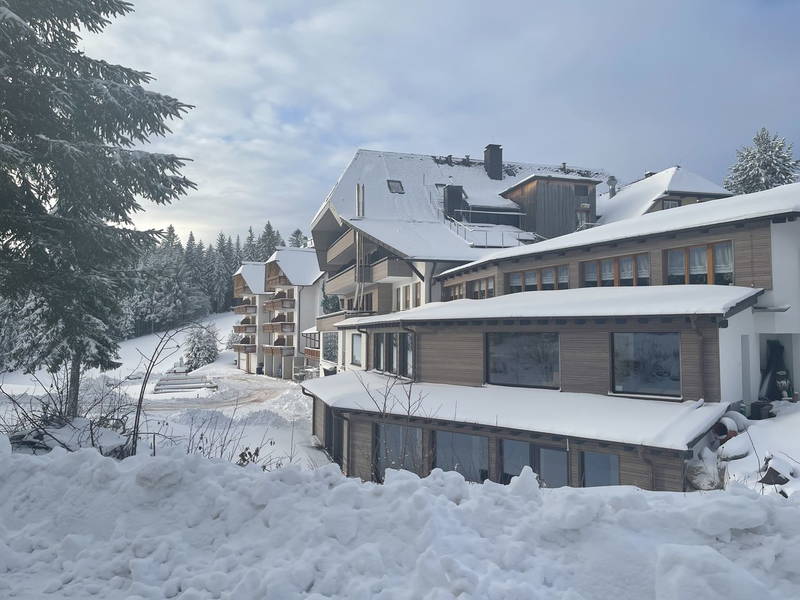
point(278, 327)
point(278, 349)
point(345, 281)
point(343, 249)
point(328, 322)
point(245, 309)
point(390, 269)
point(279, 304)
point(245, 328)
point(276, 282)
point(311, 353)
point(244, 348)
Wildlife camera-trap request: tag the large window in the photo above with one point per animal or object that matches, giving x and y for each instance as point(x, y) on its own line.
point(547, 278)
point(481, 288)
point(524, 359)
point(454, 292)
point(467, 454)
point(550, 464)
point(417, 294)
point(646, 363)
point(628, 270)
point(406, 297)
point(397, 447)
point(700, 264)
point(330, 346)
point(355, 349)
point(600, 468)
point(393, 353)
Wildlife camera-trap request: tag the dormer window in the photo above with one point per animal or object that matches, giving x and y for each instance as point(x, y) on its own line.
point(581, 190)
point(395, 186)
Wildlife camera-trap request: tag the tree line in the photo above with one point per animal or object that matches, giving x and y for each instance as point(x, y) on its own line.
point(173, 283)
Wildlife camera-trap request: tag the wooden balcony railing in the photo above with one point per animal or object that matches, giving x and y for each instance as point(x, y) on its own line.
point(245, 309)
point(244, 348)
point(279, 304)
point(279, 327)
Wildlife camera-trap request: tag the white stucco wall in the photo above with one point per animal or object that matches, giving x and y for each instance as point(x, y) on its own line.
point(739, 368)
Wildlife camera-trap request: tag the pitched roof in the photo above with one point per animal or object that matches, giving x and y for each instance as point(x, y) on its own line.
point(254, 275)
point(388, 214)
point(638, 197)
point(298, 264)
point(579, 303)
point(781, 200)
point(655, 423)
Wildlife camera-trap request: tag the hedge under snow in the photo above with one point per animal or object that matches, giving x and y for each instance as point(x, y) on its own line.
point(81, 525)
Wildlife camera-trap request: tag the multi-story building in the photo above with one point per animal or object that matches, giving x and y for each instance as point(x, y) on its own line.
point(281, 300)
point(606, 355)
point(394, 221)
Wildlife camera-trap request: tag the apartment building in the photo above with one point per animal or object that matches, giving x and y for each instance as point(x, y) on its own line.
point(394, 221)
point(281, 300)
point(603, 356)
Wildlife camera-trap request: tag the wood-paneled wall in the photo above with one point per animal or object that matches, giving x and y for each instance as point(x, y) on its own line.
point(752, 256)
point(456, 354)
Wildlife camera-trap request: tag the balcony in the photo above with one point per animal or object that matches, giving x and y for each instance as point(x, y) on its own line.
point(389, 270)
point(342, 250)
point(279, 304)
point(345, 281)
point(328, 322)
point(245, 309)
point(312, 353)
point(277, 281)
point(279, 327)
point(244, 348)
point(279, 350)
point(245, 328)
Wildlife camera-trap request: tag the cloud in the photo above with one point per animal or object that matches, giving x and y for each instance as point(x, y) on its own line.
point(286, 91)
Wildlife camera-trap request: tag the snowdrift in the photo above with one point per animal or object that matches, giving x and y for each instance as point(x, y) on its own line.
point(81, 525)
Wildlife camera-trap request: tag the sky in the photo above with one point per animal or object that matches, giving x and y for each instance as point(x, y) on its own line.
point(286, 91)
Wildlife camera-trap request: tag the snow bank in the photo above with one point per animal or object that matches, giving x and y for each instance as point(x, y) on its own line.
point(81, 525)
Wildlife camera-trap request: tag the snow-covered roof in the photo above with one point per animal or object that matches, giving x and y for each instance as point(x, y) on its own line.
point(656, 423)
point(298, 264)
point(781, 200)
point(578, 303)
point(253, 274)
point(387, 214)
point(638, 197)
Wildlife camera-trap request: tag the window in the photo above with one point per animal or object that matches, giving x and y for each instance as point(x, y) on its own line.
point(395, 186)
point(397, 298)
point(670, 203)
point(406, 355)
point(378, 351)
point(397, 447)
point(478, 289)
point(467, 454)
point(711, 263)
point(538, 279)
point(406, 297)
point(550, 464)
point(355, 349)
point(367, 300)
point(330, 346)
point(600, 468)
point(418, 294)
point(581, 190)
point(630, 270)
point(646, 363)
point(523, 359)
point(454, 292)
point(349, 304)
point(390, 363)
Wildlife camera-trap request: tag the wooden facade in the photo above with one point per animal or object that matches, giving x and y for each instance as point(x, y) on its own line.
point(552, 205)
point(752, 256)
point(643, 466)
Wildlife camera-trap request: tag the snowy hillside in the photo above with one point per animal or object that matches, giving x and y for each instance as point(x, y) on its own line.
point(79, 525)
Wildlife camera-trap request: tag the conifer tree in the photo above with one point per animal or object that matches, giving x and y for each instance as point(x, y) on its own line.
point(766, 164)
point(298, 239)
point(249, 250)
point(71, 177)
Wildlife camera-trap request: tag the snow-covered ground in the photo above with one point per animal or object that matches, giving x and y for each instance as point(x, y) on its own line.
point(245, 411)
point(78, 525)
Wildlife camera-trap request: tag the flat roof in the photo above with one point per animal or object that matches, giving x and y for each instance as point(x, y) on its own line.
point(660, 300)
point(781, 200)
point(654, 423)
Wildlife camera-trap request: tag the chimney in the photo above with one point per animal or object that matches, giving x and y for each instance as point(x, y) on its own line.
point(563, 167)
point(493, 161)
point(649, 174)
point(612, 186)
point(453, 200)
point(359, 200)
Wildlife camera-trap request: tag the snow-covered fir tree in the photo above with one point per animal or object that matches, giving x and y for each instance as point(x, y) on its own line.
point(298, 239)
point(201, 346)
point(70, 179)
point(268, 241)
point(249, 249)
point(766, 164)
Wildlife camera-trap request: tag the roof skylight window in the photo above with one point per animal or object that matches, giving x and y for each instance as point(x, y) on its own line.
point(395, 186)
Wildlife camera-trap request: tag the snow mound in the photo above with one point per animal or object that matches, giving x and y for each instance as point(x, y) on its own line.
point(180, 526)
